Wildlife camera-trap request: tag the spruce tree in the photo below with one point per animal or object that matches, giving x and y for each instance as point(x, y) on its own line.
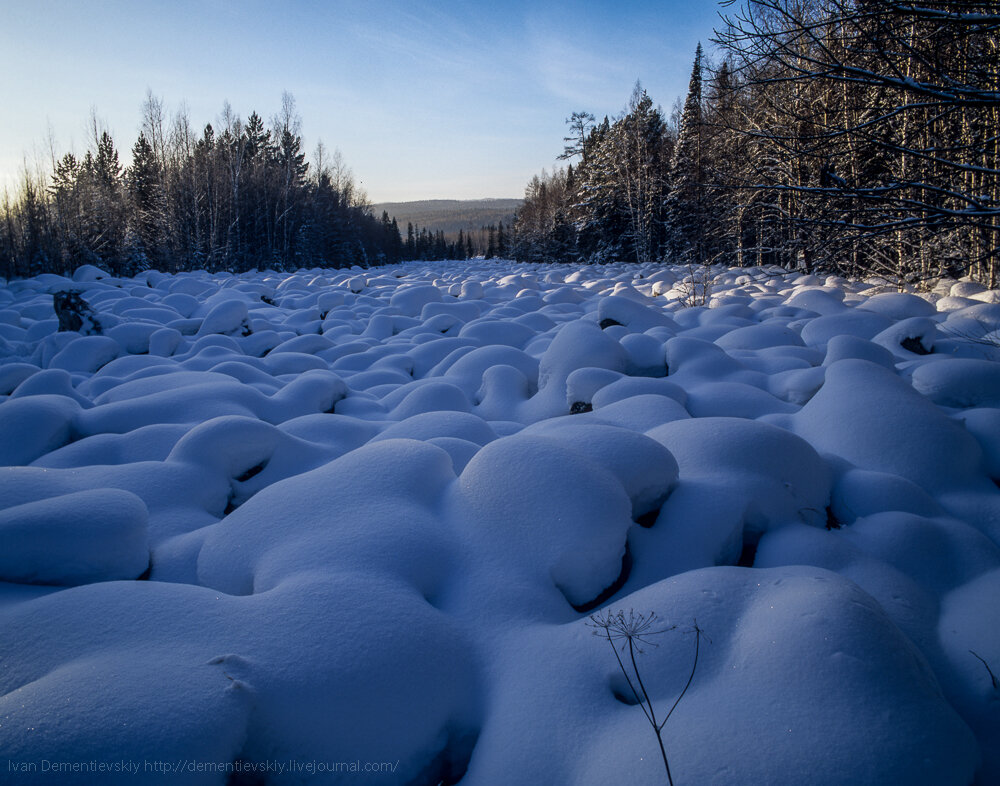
point(69, 209)
point(685, 201)
point(395, 241)
point(491, 245)
point(106, 207)
point(107, 169)
point(724, 154)
point(411, 241)
point(597, 207)
point(147, 233)
point(256, 240)
point(641, 174)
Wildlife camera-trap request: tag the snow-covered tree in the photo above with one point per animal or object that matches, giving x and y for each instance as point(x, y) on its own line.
point(685, 202)
point(881, 118)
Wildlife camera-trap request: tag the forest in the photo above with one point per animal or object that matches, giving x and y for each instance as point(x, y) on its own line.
point(861, 137)
point(234, 198)
point(238, 199)
point(424, 244)
point(451, 216)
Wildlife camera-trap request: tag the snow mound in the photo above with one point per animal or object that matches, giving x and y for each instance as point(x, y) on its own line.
point(364, 516)
point(76, 538)
point(562, 514)
point(962, 383)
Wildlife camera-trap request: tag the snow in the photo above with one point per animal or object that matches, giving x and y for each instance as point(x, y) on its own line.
point(964, 383)
point(87, 536)
point(364, 516)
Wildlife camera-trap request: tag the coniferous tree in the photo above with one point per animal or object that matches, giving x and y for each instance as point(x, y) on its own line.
point(610, 206)
point(395, 241)
point(580, 125)
point(641, 170)
point(685, 203)
point(144, 179)
point(69, 209)
point(411, 241)
point(723, 152)
point(249, 152)
point(597, 204)
point(105, 208)
point(491, 246)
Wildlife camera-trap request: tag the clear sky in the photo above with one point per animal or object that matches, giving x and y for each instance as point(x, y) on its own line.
point(456, 100)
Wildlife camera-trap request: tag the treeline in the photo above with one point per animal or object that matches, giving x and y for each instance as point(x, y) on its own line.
point(234, 198)
point(489, 242)
point(451, 215)
point(856, 136)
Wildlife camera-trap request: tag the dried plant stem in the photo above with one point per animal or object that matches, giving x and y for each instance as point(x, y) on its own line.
point(632, 629)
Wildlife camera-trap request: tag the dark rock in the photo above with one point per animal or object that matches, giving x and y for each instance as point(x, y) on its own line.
point(74, 313)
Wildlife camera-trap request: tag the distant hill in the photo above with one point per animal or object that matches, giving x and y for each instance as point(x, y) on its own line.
point(450, 215)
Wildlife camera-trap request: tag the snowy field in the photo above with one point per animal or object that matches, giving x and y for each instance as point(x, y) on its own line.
point(360, 519)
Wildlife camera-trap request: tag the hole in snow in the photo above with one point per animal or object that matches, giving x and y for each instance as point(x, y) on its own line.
point(647, 520)
point(255, 470)
point(749, 552)
point(912, 344)
point(831, 520)
point(622, 692)
point(450, 765)
point(580, 407)
point(610, 591)
point(608, 322)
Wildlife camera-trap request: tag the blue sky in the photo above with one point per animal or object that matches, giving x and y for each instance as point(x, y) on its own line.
point(424, 100)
